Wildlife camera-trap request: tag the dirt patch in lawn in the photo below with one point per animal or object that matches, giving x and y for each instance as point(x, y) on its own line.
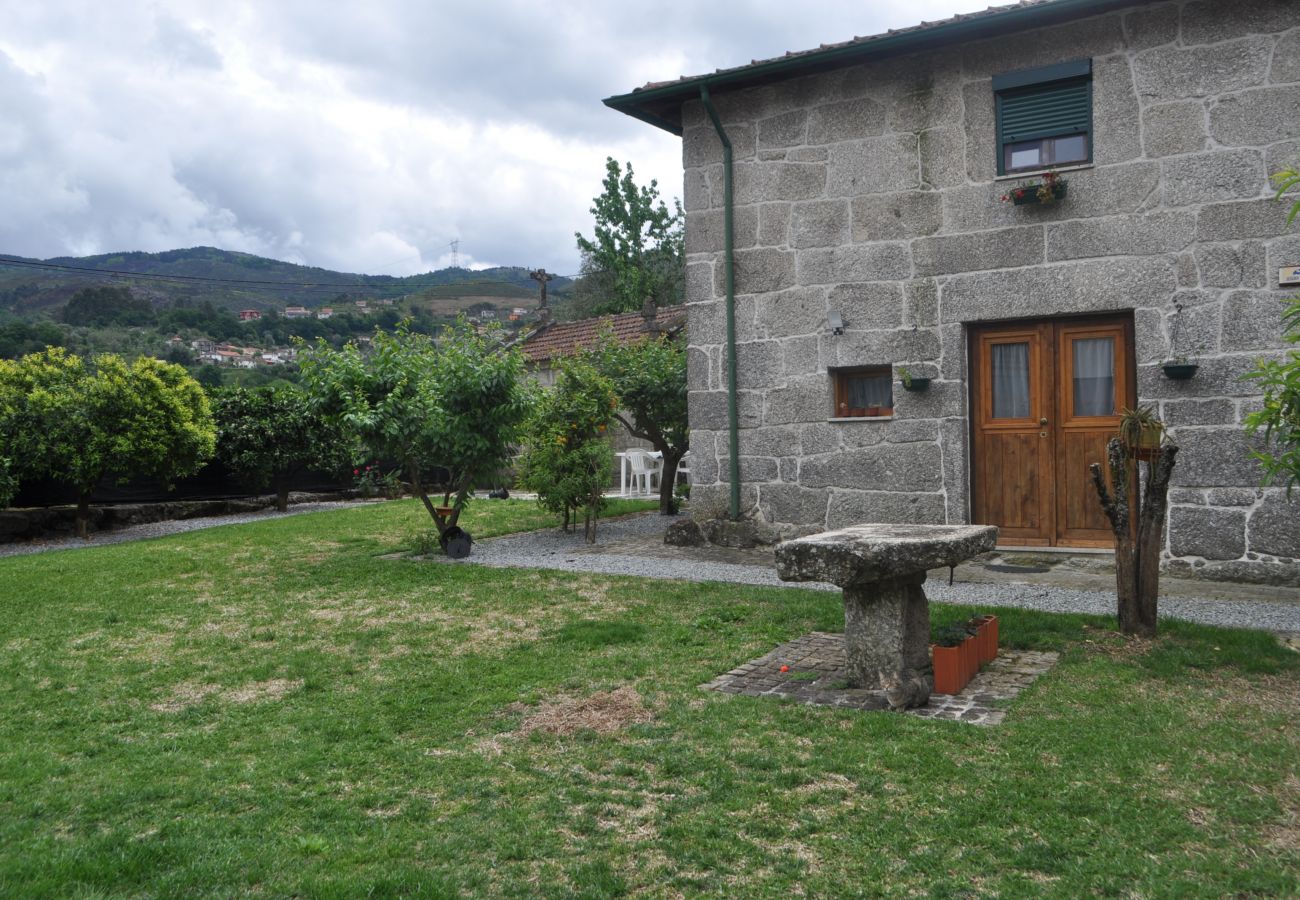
point(185, 695)
point(605, 712)
point(259, 691)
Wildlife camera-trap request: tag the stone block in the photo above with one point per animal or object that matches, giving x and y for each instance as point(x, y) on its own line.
point(758, 271)
point(896, 467)
point(1262, 116)
point(926, 108)
point(922, 302)
point(857, 262)
point(980, 251)
point(1117, 132)
point(769, 441)
point(848, 508)
point(758, 364)
point(1233, 496)
point(1252, 320)
point(911, 431)
point(873, 166)
point(755, 470)
point(1152, 343)
point(1173, 128)
point(1135, 235)
point(1218, 376)
point(1176, 73)
point(1198, 412)
point(954, 443)
point(774, 224)
point(1186, 497)
point(1212, 177)
point(792, 504)
point(1245, 219)
point(819, 223)
point(799, 355)
point(889, 217)
point(1207, 532)
point(697, 369)
point(1274, 528)
point(1188, 277)
point(1068, 288)
point(816, 438)
point(807, 154)
point(708, 409)
point(1231, 265)
point(1151, 26)
point(858, 433)
point(787, 129)
point(868, 305)
point(1104, 191)
point(1198, 329)
point(1286, 58)
point(1279, 252)
point(1208, 22)
point(1215, 457)
point(979, 125)
point(952, 357)
point(760, 182)
point(943, 155)
point(876, 348)
point(797, 311)
point(1095, 36)
point(695, 191)
point(806, 399)
point(705, 230)
point(1282, 156)
point(699, 282)
point(847, 120)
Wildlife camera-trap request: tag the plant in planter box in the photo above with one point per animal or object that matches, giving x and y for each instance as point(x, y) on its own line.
point(950, 659)
point(1049, 189)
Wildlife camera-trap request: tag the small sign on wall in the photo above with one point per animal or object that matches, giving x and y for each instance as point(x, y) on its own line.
point(1288, 275)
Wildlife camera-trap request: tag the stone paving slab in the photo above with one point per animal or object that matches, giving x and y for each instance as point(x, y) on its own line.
point(818, 677)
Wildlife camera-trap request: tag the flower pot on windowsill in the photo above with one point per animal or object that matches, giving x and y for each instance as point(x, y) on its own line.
point(1029, 195)
point(916, 383)
point(1179, 371)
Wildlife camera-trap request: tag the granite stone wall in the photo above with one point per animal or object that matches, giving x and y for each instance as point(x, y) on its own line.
point(871, 190)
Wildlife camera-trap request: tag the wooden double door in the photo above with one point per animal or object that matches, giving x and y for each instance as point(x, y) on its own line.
point(1045, 399)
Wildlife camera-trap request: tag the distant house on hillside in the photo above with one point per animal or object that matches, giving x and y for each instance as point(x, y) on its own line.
point(203, 345)
point(246, 315)
point(324, 312)
point(553, 341)
point(296, 312)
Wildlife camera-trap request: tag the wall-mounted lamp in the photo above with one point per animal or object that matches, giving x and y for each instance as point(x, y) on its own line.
point(836, 323)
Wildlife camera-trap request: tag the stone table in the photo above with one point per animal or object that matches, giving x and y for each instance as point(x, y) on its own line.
point(880, 569)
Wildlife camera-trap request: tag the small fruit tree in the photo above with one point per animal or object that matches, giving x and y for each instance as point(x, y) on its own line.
point(567, 457)
point(79, 424)
point(268, 435)
point(649, 377)
point(448, 411)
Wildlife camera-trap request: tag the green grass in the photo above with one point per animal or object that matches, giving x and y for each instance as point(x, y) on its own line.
point(278, 709)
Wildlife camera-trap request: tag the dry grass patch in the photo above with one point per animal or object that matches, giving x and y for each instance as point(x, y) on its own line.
point(259, 691)
point(185, 695)
point(605, 712)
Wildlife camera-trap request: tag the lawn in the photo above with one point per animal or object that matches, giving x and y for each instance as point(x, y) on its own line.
point(279, 709)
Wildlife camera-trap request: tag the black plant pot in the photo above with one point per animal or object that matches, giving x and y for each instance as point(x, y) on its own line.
point(916, 384)
point(1180, 371)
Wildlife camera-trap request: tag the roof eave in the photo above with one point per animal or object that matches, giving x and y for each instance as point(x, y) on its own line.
point(661, 106)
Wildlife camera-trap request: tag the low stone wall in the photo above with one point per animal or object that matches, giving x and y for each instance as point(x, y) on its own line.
point(37, 522)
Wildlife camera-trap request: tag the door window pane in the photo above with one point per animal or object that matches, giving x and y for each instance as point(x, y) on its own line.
point(1094, 377)
point(1010, 364)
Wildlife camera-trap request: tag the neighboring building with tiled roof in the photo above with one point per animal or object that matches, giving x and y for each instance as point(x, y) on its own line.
point(566, 338)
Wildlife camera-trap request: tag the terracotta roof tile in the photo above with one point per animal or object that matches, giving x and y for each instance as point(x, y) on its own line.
point(567, 338)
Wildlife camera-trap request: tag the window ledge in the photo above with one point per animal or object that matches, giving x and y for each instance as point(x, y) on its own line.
point(843, 419)
point(1034, 173)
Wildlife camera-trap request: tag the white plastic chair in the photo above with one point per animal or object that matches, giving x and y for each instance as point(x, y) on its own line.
point(645, 469)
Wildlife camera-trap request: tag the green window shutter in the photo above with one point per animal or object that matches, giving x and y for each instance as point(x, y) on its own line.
point(1049, 110)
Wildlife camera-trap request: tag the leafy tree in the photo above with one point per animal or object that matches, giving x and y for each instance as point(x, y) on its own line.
point(107, 306)
point(457, 406)
point(1279, 419)
point(637, 251)
point(80, 424)
point(268, 435)
point(567, 457)
point(649, 377)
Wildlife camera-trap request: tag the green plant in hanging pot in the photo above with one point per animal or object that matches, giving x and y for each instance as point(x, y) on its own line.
point(1142, 432)
point(912, 382)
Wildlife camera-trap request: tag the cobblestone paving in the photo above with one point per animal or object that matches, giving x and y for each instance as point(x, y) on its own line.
point(817, 677)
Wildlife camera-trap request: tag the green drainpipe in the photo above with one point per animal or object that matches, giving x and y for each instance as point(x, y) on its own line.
point(729, 265)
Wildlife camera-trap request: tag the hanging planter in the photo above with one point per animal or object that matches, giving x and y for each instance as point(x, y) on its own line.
point(916, 383)
point(1141, 432)
point(1050, 189)
point(1179, 371)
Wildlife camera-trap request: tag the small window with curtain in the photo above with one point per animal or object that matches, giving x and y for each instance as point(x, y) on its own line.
point(1044, 117)
point(863, 391)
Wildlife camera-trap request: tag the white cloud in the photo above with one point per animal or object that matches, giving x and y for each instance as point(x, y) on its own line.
point(359, 137)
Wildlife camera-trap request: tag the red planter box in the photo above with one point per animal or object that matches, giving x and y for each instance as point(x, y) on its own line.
point(950, 674)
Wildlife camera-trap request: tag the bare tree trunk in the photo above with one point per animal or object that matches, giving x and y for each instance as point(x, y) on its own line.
point(83, 516)
point(282, 494)
point(413, 472)
point(1137, 519)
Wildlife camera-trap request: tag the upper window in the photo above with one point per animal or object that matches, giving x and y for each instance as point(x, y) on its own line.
point(1044, 117)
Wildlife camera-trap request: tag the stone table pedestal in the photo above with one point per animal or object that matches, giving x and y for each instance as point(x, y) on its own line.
point(881, 570)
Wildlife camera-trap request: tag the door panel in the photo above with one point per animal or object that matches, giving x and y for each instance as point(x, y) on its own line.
point(1045, 399)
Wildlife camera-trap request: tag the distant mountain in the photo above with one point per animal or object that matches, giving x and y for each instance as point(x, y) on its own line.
point(243, 281)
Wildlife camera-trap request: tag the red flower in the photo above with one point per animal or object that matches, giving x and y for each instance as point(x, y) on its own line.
point(785, 668)
point(356, 471)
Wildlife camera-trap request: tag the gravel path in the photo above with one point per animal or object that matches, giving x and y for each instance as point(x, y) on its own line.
point(553, 549)
point(162, 529)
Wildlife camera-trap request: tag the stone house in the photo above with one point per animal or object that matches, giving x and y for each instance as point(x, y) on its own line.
point(870, 233)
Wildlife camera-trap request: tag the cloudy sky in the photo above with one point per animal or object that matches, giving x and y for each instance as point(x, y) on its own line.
point(362, 137)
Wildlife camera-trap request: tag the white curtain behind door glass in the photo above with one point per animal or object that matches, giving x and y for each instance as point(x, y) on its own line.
point(1010, 381)
point(1094, 377)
